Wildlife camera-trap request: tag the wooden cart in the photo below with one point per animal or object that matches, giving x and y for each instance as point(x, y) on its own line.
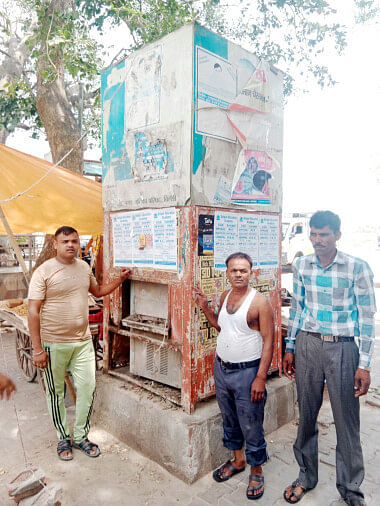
point(24, 346)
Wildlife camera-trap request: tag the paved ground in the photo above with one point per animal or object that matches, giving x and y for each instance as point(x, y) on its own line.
point(121, 476)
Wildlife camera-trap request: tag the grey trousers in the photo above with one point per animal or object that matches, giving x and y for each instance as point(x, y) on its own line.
point(315, 362)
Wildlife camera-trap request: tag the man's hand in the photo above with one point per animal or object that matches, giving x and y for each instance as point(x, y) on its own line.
point(362, 382)
point(257, 389)
point(7, 386)
point(288, 365)
point(200, 298)
point(41, 361)
point(124, 273)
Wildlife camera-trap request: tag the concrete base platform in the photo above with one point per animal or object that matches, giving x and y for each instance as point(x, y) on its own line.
point(188, 446)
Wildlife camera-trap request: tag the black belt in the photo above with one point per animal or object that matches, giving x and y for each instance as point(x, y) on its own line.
point(238, 365)
point(329, 337)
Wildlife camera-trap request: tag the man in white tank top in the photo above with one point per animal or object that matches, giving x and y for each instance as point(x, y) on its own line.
point(243, 356)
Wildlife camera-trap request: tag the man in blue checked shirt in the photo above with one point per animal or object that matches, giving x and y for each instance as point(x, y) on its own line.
point(333, 302)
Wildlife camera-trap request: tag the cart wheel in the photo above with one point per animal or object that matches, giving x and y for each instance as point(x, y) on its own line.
point(24, 356)
point(40, 379)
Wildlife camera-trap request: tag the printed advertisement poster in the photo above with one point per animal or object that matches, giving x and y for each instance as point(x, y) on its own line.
point(142, 239)
point(206, 234)
point(225, 238)
point(165, 238)
point(248, 237)
point(143, 89)
point(253, 171)
point(212, 285)
point(122, 239)
point(256, 235)
point(216, 91)
point(269, 241)
point(145, 239)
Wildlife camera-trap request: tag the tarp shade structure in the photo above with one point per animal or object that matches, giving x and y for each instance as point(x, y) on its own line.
point(62, 198)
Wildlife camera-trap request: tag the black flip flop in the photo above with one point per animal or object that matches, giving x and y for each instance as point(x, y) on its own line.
point(298, 497)
point(260, 479)
point(64, 446)
point(86, 446)
point(217, 474)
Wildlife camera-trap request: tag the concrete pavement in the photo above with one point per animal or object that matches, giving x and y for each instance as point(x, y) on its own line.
point(122, 476)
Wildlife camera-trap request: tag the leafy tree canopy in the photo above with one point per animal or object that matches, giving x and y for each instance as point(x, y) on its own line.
point(295, 35)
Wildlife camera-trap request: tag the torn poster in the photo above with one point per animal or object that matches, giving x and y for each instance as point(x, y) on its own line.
point(250, 185)
point(254, 97)
point(143, 89)
point(216, 81)
point(151, 159)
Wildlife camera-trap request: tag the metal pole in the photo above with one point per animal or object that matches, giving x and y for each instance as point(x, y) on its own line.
point(15, 246)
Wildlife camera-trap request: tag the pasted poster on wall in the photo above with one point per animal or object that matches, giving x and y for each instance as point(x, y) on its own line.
point(212, 284)
point(142, 94)
point(145, 238)
point(256, 235)
point(253, 171)
point(216, 83)
point(269, 241)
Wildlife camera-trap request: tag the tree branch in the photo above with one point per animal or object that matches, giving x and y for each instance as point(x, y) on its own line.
point(5, 53)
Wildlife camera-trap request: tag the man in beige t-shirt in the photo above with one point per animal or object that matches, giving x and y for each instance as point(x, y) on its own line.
point(61, 338)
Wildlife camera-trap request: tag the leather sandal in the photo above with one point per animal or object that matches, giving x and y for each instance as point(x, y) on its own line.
point(260, 479)
point(86, 446)
point(219, 475)
point(298, 497)
point(65, 446)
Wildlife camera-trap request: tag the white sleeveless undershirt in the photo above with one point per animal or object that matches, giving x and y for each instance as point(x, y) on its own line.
point(236, 341)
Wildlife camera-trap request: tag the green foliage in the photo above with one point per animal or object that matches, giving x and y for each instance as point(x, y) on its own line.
point(18, 105)
point(292, 34)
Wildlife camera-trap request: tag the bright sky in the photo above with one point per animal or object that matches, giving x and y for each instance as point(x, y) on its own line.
point(331, 137)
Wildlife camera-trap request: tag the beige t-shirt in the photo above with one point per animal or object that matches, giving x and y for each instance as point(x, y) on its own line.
point(64, 291)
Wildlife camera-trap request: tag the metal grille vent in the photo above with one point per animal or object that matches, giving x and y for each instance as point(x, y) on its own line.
point(164, 362)
point(149, 357)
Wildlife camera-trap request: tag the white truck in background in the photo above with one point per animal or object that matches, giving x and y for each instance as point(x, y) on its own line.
point(295, 237)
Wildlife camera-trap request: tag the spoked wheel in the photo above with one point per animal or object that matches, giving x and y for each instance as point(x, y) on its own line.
point(24, 356)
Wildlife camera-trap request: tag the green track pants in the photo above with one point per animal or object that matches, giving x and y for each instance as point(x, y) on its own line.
point(79, 358)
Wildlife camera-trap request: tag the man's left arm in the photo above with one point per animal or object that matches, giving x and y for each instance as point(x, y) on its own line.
point(366, 308)
point(101, 290)
point(266, 326)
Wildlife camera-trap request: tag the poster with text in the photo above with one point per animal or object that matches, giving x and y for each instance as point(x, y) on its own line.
point(269, 241)
point(122, 239)
point(142, 238)
point(248, 237)
point(225, 238)
point(165, 238)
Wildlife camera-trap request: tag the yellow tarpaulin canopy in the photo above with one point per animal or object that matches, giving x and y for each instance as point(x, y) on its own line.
point(61, 198)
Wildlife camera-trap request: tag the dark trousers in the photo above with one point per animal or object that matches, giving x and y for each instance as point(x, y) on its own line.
point(315, 362)
point(242, 418)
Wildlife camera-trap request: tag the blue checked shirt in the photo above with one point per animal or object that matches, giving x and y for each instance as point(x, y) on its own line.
point(338, 299)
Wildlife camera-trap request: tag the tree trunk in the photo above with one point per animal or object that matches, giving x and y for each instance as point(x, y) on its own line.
point(3, 135)
point(53, 106)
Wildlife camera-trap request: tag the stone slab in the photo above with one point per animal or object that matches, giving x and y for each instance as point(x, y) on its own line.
point(188, 446)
